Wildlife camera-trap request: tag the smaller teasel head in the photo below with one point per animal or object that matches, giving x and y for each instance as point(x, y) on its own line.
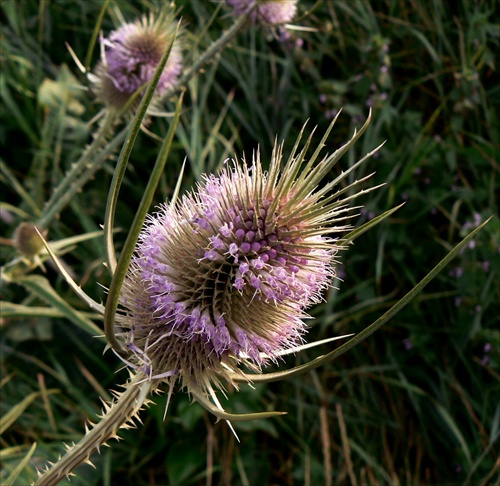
point(223, 277)
point(130, 56)
point(267, 12)
point(27, 240)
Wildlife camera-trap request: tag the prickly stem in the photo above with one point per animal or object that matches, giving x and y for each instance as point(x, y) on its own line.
point(120, 413)
point(86, 166)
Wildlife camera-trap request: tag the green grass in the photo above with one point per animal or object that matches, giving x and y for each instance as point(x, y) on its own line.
point(416, 403)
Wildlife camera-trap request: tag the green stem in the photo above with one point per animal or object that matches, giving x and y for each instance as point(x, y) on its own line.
point(214, 48)
point(70, 185)
point(95, 34)
point(116, 416)
point(120, 269)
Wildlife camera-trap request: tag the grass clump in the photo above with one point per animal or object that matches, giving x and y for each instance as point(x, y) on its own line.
point(416, 403)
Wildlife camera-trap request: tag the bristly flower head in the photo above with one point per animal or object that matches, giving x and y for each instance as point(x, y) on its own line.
point(224, 276)
point(130, 56)
point(270, 12)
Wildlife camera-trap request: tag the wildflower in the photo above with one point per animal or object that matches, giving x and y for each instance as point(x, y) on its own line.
point(130, 56)
point(267, 12)
point(223, 277)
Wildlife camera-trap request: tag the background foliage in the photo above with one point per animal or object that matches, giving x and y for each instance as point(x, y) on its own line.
point(418, 403)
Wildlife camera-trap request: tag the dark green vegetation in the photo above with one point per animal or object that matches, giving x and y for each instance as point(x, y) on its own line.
point(418, 402)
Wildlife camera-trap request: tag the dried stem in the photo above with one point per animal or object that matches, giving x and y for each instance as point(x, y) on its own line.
point(118, 414)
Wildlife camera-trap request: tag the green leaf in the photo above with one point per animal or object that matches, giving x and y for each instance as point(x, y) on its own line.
point(121, 166)
point(17, 410)
point(69, 280)
point(120, 269)
point(350, 237)
point(11, 309)
point(41, 287)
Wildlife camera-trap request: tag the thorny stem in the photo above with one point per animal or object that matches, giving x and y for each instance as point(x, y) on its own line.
point(117, 415)
point(88, 163)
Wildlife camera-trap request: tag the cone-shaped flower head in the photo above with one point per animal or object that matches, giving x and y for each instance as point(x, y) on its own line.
point(224, 276)
point(267, 12)
point(130, 56)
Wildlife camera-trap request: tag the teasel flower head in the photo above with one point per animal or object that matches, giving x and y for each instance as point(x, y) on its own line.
point(268, 12)
point(223, 277)
point(130, 56)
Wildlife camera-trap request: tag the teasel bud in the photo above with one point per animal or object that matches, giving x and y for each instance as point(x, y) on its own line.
point(268, 12)
point(223, 277)
point(27, 240)
point(130, 56)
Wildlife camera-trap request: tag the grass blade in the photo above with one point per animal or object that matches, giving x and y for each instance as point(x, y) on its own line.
point(11, 480)
point(41, 287)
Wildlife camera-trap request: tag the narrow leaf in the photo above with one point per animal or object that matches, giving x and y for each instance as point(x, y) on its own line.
point(121, 166)
point(403, 302)
point(11, 480)
point(17, 410)
point(351, 236)
point(122, 266)
point(41, 287)
point(69, 280)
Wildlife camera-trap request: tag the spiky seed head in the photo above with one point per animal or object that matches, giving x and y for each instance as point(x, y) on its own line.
point(269, 12)
point(224, 276)
point(130, 56)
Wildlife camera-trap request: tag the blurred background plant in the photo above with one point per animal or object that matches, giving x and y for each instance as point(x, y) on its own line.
point(417, 403)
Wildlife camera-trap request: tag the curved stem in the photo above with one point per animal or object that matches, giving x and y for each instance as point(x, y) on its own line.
point(116, 416)
point(121, 268)
point(121, 166)
point(214, 48)
point(95, 34)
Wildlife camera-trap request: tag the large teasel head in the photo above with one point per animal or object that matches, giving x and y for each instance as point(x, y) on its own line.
point(130, 56)
point(222, 278)
point(215, 286)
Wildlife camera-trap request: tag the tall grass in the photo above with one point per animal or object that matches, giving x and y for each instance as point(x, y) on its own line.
point(418, 402)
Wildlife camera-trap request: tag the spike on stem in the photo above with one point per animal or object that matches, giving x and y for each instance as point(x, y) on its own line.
point(119, 414)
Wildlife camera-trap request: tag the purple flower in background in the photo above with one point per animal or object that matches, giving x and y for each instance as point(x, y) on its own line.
point(267, 12)
point(223, 277)
point(130, 57)
point(407, 344)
